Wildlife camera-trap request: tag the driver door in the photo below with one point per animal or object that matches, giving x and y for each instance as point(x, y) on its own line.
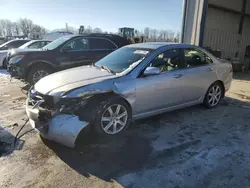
point(77, 54)
point(164, 90)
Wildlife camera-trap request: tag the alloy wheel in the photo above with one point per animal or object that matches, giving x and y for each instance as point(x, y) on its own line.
point(214, 95)
point(114, 119)
point(39, 75)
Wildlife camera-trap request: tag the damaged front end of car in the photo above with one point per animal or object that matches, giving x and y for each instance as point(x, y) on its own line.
point(60, 119)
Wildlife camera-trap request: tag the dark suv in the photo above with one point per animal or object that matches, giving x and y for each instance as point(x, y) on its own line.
point(63, 53)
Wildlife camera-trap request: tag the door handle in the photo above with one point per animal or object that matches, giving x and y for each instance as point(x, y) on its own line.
point(177, 75)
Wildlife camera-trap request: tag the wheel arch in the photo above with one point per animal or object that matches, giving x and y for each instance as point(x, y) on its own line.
point(113, 94)
point(38, 63)
point(222, 84)
point(89, 108)
point(3, 62)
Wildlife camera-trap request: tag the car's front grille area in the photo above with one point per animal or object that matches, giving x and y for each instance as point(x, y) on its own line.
point(45, 101)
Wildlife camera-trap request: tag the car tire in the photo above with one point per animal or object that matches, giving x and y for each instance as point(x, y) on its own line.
point(5, 63)
point(213, 95)
point(38, 70)
point(107, 124)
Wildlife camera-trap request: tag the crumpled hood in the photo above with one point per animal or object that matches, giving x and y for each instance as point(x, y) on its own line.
point(67, 80)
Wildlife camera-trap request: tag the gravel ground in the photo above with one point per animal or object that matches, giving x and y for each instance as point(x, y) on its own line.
point(192, 147)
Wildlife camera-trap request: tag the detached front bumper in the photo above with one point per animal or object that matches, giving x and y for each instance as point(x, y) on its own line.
point(61, 128)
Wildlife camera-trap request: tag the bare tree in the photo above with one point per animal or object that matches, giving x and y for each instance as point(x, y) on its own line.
point(147, 32)
point(9, 27)
point(97, 30)
point(170, 35)
point(177, 36)
point(88, 30)
point(153, 34)
point(6, 27)
point(37, 32)
point(16, 29)
point(73, 30)
point(26, 26)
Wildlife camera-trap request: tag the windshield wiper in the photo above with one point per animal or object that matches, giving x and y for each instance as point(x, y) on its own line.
point(107, 69)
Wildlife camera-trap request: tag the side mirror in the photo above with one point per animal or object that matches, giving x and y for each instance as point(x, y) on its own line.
point(151, 71)
point(66, 48)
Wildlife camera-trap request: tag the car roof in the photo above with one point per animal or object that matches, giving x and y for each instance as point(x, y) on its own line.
point(40, 40)
point(156, 45)
point(118, 40)
point(19, 39)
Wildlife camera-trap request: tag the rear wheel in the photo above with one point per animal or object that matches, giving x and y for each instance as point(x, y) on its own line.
point(37, 72)
point(213, 95)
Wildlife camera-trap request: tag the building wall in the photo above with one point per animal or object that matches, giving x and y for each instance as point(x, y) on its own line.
point(231, 4)
point(221, 29)
point(193, 15)
point(248, 7)
point(217, 19)
point(246, 26)
point(189, 22)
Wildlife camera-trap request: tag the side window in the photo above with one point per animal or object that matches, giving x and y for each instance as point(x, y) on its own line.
point(194, 58)
point(45, 43)
point(34, 45)
point(167, 61)
point(16, 44)
point(4, 47)
point(101, 44)
point(78, 44)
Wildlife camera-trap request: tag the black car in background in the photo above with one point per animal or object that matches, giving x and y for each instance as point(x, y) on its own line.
point(63, 53)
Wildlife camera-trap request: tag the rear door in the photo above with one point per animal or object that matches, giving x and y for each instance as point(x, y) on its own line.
point(100, 47)
point(199, 73)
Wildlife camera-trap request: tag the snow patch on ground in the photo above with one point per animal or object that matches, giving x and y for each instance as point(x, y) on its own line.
point(3, 72)
point(6, 79)
point(4, 76)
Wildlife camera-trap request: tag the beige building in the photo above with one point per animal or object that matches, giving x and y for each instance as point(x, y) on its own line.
point(222, 25)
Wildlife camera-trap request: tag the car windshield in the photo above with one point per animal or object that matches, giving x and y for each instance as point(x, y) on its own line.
point(56, 43)
point(122, 59)
point(26, 44)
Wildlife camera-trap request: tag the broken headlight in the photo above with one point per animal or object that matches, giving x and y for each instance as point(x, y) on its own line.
point(70, 105)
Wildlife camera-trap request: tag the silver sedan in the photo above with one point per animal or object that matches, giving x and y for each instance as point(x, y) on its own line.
point(136, 81)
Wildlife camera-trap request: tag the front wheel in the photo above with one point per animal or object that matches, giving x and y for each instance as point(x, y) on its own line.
point(213, 95)
point(5, 63)
point(38, 72)
point(113, 118)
